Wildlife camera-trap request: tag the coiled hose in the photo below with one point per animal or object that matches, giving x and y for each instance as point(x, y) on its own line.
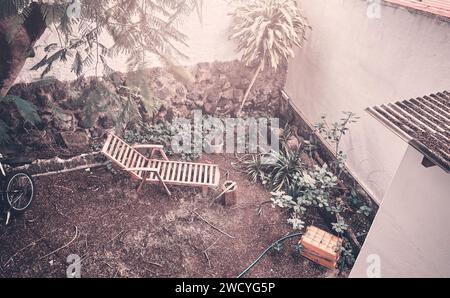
point(266, 251)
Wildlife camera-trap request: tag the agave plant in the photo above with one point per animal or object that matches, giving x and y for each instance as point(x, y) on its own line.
point(266, 31)
point(285, 169)
point(255, 168)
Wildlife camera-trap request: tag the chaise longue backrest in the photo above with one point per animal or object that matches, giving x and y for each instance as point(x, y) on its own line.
point(124, 155)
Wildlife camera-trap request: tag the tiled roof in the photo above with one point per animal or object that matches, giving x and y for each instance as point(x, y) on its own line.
point(439, 7)
point(424, 122)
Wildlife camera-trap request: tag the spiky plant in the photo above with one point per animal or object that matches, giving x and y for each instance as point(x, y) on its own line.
point(285, 168)
point(266, 32)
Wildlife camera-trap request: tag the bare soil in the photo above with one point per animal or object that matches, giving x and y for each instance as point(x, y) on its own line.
point(123, 234)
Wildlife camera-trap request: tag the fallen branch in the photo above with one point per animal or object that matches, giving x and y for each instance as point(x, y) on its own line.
point(156, 264)
point(213, 226)
point(207, 258)
point(115, 237)
point(57, 165)
point(22, 249)
point(62, 247)
point(89, 166)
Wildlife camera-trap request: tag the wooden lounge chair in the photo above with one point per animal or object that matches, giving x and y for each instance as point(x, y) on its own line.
point(163, 171)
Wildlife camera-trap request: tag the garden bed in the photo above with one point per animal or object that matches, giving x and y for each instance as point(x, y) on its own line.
point(121, 234)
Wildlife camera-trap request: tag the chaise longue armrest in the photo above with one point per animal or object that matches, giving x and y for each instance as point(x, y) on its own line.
point(154, 149)
point(147, 146)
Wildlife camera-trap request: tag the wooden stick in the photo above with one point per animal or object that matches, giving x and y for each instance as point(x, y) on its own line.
point(24, 248)
point(207, 258)
point(213, 226)
point(156, 264)
point(115, 237)
point(89, 166)
point(223, 192)
point(62, 247)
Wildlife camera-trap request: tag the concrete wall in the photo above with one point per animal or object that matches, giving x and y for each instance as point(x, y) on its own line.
point(207, 41)
point(410, 232)
point(351, 62)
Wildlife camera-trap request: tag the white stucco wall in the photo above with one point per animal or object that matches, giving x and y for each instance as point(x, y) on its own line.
point(410, 233)
point(208, 41)
point(351, 62)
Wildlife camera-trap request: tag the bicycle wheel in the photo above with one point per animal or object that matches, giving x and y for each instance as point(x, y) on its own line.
point(20, 191)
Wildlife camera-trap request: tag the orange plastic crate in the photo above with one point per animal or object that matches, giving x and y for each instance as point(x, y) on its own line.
point(321, 247)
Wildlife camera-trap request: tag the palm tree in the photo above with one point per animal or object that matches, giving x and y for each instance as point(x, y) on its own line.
point(266, 32)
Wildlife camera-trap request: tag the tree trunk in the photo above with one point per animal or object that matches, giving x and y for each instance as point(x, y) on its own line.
point(247, 93)
point(14, 53)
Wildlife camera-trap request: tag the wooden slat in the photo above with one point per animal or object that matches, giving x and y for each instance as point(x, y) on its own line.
point(174, 173)
point(121, 152)
point(139, 164)
point(107, 143)
point(116, 151)
point(205, 174)
point(151, 164)
point(124, 156)
point(189, 174)
point(112, 147)
point(163, 169)
point(195, 173)
point(200, 174)
point(168, 171)
point(180, 169)
point(184, 172)
point(130, 158)
point(211, 174)
point(135, 158)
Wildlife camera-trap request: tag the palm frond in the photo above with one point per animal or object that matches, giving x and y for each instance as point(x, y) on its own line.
point(269, 30)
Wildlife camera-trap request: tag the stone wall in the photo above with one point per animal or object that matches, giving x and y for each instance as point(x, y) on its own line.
point(70, 122)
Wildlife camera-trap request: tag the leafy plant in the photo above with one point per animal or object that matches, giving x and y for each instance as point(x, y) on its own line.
point(310, 145)
point(278, 247)
point(266, 32)
point(365, 210)
point(110, 168)
point(334, 133)
point(27, 111)
point(160, 134)
point(346, 255)
point(312, 189)
point(5, 137)
point(340, 226)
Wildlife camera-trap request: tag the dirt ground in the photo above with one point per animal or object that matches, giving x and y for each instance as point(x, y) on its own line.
point(121, 234)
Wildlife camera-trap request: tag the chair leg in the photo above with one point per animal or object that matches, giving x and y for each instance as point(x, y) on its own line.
point(141, 185)
point(164, 184)
point(204, 191)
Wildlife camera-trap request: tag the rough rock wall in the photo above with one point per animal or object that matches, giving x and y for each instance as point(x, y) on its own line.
point(70, 122)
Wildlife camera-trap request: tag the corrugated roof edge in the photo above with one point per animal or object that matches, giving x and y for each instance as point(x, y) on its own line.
point(417, 11)
point(411, 141)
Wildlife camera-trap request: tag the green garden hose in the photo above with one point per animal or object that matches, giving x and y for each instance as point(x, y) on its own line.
point(266, 251)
